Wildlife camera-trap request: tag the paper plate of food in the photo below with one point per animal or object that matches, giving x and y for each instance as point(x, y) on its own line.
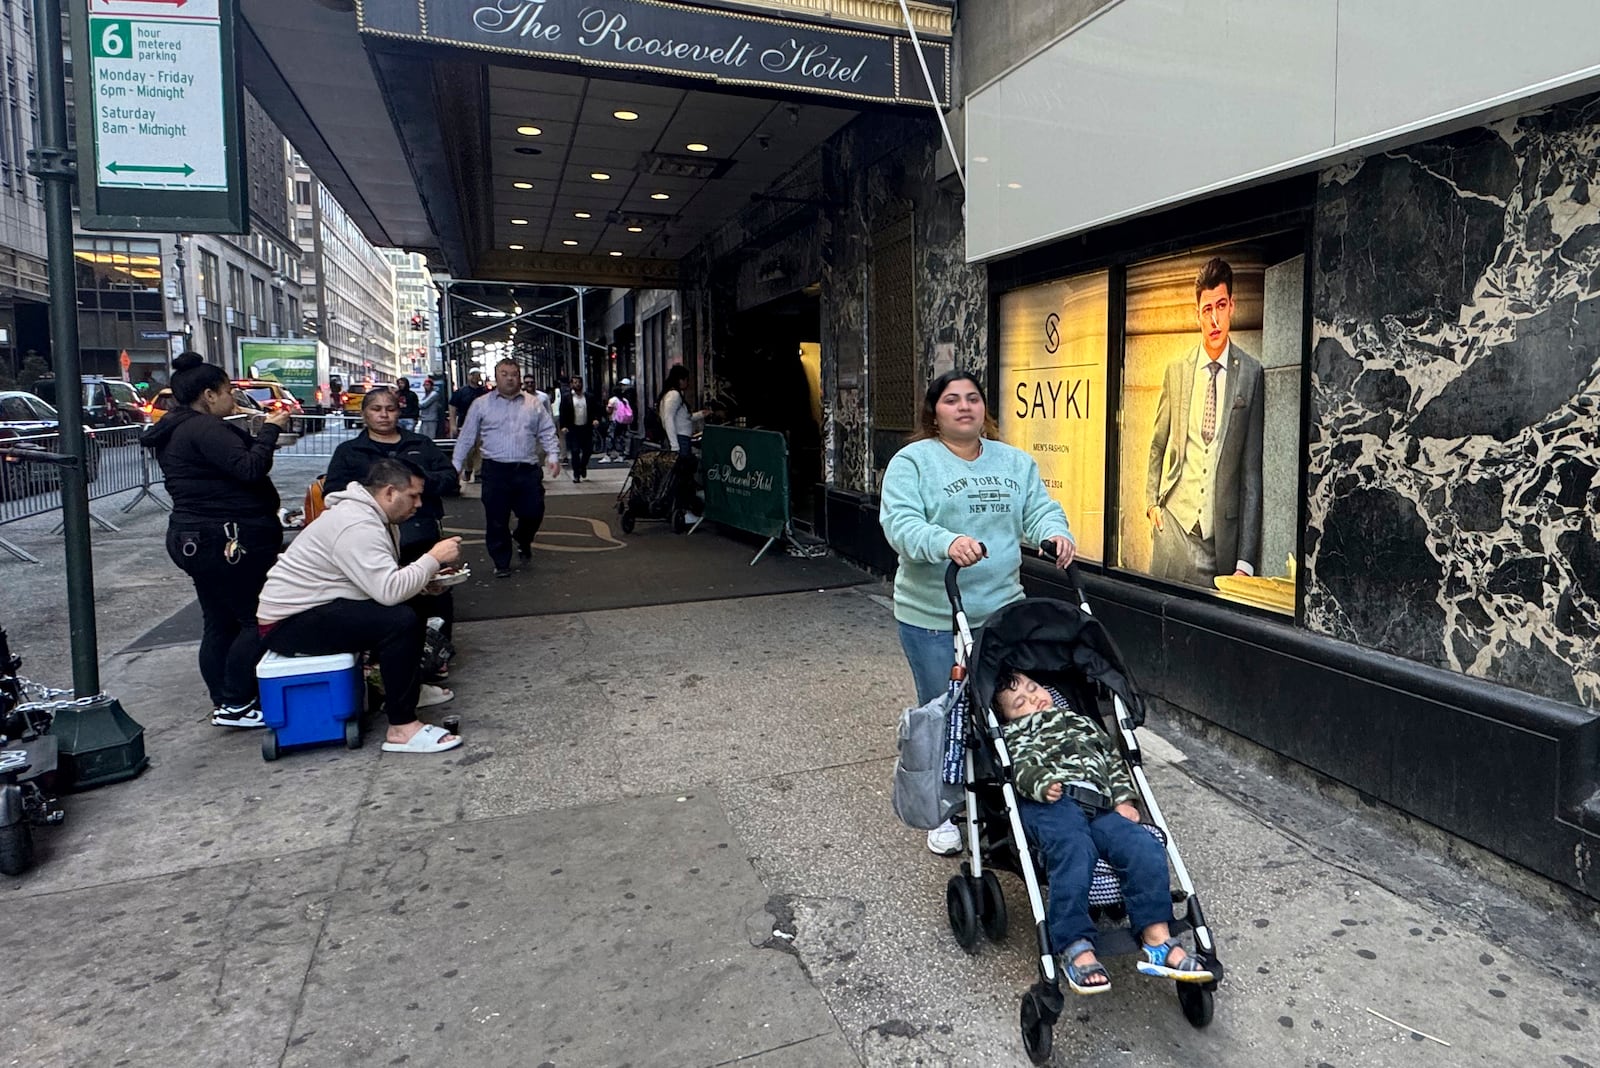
point(453, 575)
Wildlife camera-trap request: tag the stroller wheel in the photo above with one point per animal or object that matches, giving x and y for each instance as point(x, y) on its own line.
point(627, 521)
point(1036, 1029)
point(962, 907)
point(1196, 1002)
point(991, 907)
point(679, 523)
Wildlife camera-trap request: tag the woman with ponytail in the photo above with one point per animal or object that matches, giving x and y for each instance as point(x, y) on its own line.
point(224, 532)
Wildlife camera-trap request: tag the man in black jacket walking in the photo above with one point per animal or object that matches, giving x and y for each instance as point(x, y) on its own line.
point(579, 416)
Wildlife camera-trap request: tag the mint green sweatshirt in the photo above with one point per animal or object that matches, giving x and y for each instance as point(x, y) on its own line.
point(931, 497)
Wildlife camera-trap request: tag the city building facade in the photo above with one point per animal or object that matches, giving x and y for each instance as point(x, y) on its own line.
point(416, 313)
point(24, 284)
point(351, 302)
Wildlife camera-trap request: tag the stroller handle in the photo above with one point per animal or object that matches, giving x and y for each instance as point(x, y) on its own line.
point(952, 586)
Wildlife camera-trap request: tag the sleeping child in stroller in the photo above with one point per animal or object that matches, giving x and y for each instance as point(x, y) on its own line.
point(1077, 804)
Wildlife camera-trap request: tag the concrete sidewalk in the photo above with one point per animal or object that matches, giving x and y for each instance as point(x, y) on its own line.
point(667, 841)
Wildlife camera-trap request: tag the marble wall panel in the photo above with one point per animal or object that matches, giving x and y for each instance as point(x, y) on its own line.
point(1454, 473)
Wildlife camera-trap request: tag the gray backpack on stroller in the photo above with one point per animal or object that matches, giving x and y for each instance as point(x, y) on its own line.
point(922, 799)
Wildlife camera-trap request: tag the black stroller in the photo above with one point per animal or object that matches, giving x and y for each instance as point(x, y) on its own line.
point(1066, 649)
point(650, 490)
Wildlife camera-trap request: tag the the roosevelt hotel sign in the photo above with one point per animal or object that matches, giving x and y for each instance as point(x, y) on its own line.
point(727, 46)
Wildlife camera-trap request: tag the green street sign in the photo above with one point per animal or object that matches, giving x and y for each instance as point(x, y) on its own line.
point(158, 103)
point(747, 479)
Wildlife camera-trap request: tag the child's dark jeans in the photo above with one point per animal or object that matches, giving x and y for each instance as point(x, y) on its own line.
point(1071, 844)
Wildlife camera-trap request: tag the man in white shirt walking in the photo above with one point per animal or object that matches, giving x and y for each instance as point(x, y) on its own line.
point(513, 428)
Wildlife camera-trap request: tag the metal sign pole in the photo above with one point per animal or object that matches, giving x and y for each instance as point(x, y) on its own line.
point(56, 170)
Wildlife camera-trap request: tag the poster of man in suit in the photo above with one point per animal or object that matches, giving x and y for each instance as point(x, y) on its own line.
point(1204, 476)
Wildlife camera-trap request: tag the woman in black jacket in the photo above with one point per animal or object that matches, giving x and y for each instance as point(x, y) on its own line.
point(224, 532)
point(382, 438)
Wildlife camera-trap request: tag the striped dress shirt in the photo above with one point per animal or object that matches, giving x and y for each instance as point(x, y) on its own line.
point(511, 430)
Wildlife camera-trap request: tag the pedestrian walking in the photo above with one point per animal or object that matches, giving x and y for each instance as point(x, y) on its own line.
point(340, 588)
point(579, 418)
point(513, 429)
point(460, 401)
point(619, 422)
point(430, 409)
point(957, 494)
point(409, 404)
point(224, 531)
point(382, 439)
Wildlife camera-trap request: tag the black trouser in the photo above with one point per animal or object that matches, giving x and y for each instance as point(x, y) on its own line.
point(508, 489)
point(683, 472)
point(391, 632)
point(580, 446)
point(229, 644)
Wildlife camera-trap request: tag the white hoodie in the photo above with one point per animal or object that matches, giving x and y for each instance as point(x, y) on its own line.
point(351, 552)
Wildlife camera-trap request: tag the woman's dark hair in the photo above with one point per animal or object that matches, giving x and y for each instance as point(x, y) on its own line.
point(374, 394)
point(677, 378)
point(927, 422)
point(192, 376)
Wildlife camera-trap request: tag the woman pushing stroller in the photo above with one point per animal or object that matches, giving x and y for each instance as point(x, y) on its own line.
point(1077, 803)
point(954, 494)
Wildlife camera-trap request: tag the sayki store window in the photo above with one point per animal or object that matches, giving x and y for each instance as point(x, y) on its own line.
point(1052, 394)
point(1208, 485)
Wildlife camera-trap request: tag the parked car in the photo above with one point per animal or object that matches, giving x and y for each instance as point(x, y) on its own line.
point(273, 397)
point(353, 395)
point(26, 421)
point(107, 402)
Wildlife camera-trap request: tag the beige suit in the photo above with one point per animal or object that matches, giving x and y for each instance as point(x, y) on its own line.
point(1230, 530)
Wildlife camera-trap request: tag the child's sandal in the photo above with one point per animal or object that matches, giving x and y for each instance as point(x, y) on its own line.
point(1153, 961)
point(1078, 977)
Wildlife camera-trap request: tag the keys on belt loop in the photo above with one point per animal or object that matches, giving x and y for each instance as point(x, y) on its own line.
point(232, 552)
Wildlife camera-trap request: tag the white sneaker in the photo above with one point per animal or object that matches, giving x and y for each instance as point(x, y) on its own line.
point(434, 695)
point(238, 715)
point(945, 839)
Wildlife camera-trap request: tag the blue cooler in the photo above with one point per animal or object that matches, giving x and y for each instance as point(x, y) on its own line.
point(309, 700)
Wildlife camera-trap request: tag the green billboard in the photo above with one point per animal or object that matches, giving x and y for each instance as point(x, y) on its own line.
point(747, 479)
point(291, 362)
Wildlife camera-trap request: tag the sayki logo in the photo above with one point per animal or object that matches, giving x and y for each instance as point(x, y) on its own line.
point(739, 458)
point(1052, 332)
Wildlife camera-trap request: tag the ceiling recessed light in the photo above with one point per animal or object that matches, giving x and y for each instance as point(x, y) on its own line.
point(519, 222)
point(529, 131)
point(569, 241)
point(635, 229)
point(600, 176)
point(659, 196)
point(696, 146)
point(514, 248)
point(581, 215)
point(625, 116)
point(522, 185)
point(614, 253)
point(980, 159)
point(528, 150)
point(1013, 185)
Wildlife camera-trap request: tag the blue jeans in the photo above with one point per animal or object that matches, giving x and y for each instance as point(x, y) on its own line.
point(930, 654)
point(1071, 844)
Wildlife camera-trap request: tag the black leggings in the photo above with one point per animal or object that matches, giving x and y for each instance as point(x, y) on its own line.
point(229, 645)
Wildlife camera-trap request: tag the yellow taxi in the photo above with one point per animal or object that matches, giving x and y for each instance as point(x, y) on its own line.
point(353, 395)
